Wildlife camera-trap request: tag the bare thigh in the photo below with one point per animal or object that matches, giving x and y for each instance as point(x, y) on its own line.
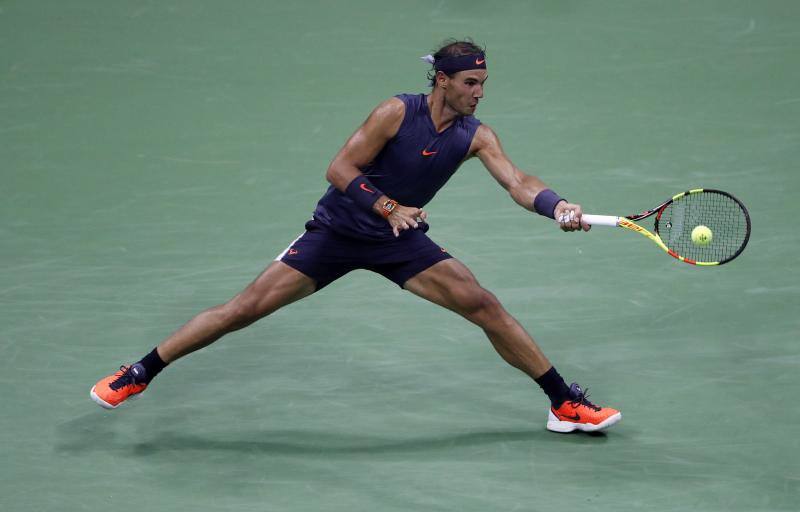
point(278, 286)
point(452, 285)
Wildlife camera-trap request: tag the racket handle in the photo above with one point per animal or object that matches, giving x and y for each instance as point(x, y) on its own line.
point(601, 220)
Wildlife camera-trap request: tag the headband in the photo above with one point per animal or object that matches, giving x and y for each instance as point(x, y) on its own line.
point(450, 65)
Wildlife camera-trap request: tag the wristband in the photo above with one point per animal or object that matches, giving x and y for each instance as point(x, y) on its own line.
point(545, 203)
point(363, 193)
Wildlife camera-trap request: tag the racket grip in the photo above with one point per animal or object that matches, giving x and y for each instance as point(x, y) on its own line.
point(600, 220)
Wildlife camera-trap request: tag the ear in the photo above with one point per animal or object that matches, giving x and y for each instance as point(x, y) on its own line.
point(442, 79)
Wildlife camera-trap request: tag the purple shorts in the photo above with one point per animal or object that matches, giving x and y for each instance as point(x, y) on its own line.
point(325, 256)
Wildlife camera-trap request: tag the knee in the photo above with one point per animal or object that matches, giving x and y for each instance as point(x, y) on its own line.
point(481, 307)
point(238, 313)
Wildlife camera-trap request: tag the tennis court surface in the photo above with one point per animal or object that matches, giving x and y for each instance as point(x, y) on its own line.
point(156, 156)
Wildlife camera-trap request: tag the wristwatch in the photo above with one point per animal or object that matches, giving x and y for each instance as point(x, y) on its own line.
point(388, 207)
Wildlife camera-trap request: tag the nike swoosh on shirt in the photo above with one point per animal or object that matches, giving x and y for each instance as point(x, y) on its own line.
point(425, 152)
point(365, 189)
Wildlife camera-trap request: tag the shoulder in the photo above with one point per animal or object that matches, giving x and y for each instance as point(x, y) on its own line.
point(485, 139)
point(411, 101)
point(387, 116)
point(392, 108)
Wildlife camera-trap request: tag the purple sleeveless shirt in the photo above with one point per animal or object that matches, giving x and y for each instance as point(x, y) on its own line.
point(410, 169)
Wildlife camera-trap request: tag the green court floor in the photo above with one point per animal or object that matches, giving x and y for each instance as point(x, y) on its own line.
point(156, 155)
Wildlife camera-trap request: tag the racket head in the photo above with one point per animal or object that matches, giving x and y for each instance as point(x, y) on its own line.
point(721, 212)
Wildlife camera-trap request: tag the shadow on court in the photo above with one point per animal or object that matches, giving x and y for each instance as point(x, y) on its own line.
point(99, 431)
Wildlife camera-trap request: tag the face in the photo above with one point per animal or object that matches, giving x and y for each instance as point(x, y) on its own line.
point(464, 90)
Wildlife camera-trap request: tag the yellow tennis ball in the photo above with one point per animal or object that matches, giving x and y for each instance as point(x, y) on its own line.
point(701, 236)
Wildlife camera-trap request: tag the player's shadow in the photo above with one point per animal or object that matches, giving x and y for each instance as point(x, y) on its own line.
point(98, 431)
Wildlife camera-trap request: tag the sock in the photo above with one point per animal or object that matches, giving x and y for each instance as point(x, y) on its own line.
point(153, 364)
point(554, 386)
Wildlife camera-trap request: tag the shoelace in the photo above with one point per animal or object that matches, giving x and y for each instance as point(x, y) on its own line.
point(583, 399)
point(126, 379)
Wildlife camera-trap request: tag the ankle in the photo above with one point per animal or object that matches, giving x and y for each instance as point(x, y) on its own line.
point(153, 364)
point(554, 387)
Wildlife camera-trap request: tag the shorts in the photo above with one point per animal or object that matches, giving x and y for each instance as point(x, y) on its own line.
point(325, 256)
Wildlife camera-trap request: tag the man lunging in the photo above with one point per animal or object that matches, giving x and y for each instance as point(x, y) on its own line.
point(371, 217)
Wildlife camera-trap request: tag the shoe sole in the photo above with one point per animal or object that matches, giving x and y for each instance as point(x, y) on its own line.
point(554, 425)
point(105, 405)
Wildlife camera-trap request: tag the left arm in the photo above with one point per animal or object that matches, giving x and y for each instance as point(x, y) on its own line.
point(522, 187)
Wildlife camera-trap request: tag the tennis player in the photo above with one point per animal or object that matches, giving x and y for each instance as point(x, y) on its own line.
point(372, 217)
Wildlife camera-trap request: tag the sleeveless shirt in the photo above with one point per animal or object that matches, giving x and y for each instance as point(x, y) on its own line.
point(411, 168)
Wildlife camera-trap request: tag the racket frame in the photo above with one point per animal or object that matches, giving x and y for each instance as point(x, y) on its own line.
point(628, 223)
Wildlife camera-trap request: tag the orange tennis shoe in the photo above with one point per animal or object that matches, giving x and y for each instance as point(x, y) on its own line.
point(127, 383)
point(578, 413)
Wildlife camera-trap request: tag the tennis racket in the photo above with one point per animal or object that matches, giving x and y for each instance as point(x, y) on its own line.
point(677, 218)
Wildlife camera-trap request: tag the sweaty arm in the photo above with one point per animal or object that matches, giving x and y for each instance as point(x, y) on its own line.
point(361, 148)
point(522, 187)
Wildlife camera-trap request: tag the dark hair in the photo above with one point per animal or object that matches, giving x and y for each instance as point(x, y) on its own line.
point(453, 48)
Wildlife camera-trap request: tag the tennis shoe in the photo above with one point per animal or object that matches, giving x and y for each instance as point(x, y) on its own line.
point(578, 413)
point(110, 392)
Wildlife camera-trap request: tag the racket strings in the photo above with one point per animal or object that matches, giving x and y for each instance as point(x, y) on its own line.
point(722, 214)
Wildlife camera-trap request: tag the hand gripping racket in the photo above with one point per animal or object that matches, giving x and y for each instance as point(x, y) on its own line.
point(676, 219)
